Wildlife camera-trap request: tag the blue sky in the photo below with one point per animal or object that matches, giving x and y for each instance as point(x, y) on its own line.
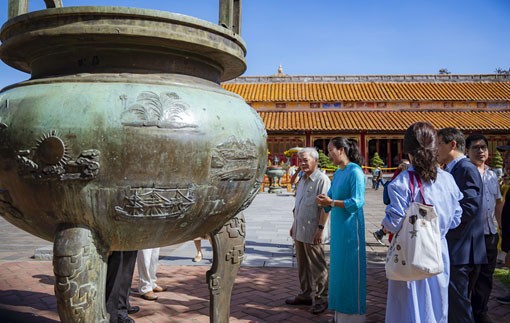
point(346, 37)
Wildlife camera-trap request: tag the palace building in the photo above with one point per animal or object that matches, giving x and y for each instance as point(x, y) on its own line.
point(375, 110)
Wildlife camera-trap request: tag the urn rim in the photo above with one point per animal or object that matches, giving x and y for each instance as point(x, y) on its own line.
point(67, 40)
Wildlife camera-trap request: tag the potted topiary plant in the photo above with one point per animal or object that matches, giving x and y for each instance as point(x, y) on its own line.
point(497, 164)
point(376, 160)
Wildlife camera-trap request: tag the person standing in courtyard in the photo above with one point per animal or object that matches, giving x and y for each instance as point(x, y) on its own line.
point(147, 260)
point(505, 219)
point(345, 200)
point(376, 178)
point(466, 243)
point(307, 232)
point(478, 152)
point(426, 300)
point(119, 275)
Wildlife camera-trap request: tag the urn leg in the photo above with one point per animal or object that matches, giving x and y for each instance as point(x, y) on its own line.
point(228, 253)
point(79, 265)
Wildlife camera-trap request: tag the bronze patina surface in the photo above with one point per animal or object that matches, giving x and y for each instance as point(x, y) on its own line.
point(123, 139)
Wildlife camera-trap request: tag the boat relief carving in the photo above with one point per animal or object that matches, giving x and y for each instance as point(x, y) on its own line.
point(157, 203)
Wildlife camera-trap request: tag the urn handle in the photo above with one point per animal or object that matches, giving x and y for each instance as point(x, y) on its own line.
point(19, 7)
point(230, 15)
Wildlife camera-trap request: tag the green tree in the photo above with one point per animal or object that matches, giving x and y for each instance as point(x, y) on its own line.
point(376, 161)
point(324, 161)
point(497, 160)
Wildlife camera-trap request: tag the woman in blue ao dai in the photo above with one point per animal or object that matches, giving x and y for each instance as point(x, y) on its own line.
point(345, 200)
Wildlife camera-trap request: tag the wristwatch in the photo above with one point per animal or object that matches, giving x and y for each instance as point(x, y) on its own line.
point(320, 226)
point(332, 203)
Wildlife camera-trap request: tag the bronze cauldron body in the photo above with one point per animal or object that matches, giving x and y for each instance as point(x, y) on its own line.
point(123, 139)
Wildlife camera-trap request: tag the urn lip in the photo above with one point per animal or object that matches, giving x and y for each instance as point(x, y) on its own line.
point(87, 39)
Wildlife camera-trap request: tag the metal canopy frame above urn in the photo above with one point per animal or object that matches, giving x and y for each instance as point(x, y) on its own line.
point(167, 41)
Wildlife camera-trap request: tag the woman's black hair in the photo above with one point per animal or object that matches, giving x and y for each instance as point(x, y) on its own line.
point(420, 141)
point(350, 147)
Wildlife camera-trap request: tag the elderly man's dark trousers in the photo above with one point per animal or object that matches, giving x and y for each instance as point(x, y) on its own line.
point(312, 272)
point(482, 287)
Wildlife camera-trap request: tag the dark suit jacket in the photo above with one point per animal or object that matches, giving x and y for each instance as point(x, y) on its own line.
point(466, 243)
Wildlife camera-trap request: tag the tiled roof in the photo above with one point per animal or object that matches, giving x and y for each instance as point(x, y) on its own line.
point(371, 92)
point(387, 121)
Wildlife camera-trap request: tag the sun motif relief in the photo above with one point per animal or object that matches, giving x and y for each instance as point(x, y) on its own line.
point(51, 150)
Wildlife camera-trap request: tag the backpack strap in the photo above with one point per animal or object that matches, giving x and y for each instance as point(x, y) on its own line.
point(412, 176)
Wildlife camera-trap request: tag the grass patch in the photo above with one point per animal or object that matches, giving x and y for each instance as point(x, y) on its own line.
point(503, 275)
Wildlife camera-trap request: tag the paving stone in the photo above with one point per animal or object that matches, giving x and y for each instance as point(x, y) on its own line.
point(267, 277)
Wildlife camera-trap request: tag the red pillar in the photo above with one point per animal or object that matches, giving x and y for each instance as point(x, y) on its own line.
point(363, 148)
point(390, 157)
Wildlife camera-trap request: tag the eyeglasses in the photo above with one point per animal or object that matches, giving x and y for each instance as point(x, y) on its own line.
point(478, 147)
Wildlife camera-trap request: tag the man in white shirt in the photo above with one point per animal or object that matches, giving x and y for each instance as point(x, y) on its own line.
point(307, 232)
point(478, 153)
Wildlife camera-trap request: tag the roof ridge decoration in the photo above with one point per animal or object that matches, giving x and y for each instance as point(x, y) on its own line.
point(390, 78)
point(373, 91)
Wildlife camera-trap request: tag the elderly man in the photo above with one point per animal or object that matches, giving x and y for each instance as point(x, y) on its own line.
point(466, 243)
point(478, 152)
point(309, 222)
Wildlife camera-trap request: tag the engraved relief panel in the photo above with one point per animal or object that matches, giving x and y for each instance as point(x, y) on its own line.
point(79, 285)
point(234, 160)
point(51, 159)
point(165, 110)
point(157, 203)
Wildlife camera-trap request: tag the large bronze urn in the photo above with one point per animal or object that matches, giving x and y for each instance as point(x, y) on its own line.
point(123, 139)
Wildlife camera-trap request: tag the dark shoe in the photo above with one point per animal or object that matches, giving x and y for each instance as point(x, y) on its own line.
point(149, 296)
point(124, 319)
point(505, 300)
point(298, 301)
point(318, 308)
point(158, 289)
point(133, 309)
point(379, 235)
point(483, 319)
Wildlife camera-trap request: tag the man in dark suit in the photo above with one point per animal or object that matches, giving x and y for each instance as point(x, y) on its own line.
point(121, 265)
point(466, 243)
point(505, 216)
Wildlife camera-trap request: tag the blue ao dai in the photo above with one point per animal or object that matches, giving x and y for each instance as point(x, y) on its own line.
point(347, 278)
